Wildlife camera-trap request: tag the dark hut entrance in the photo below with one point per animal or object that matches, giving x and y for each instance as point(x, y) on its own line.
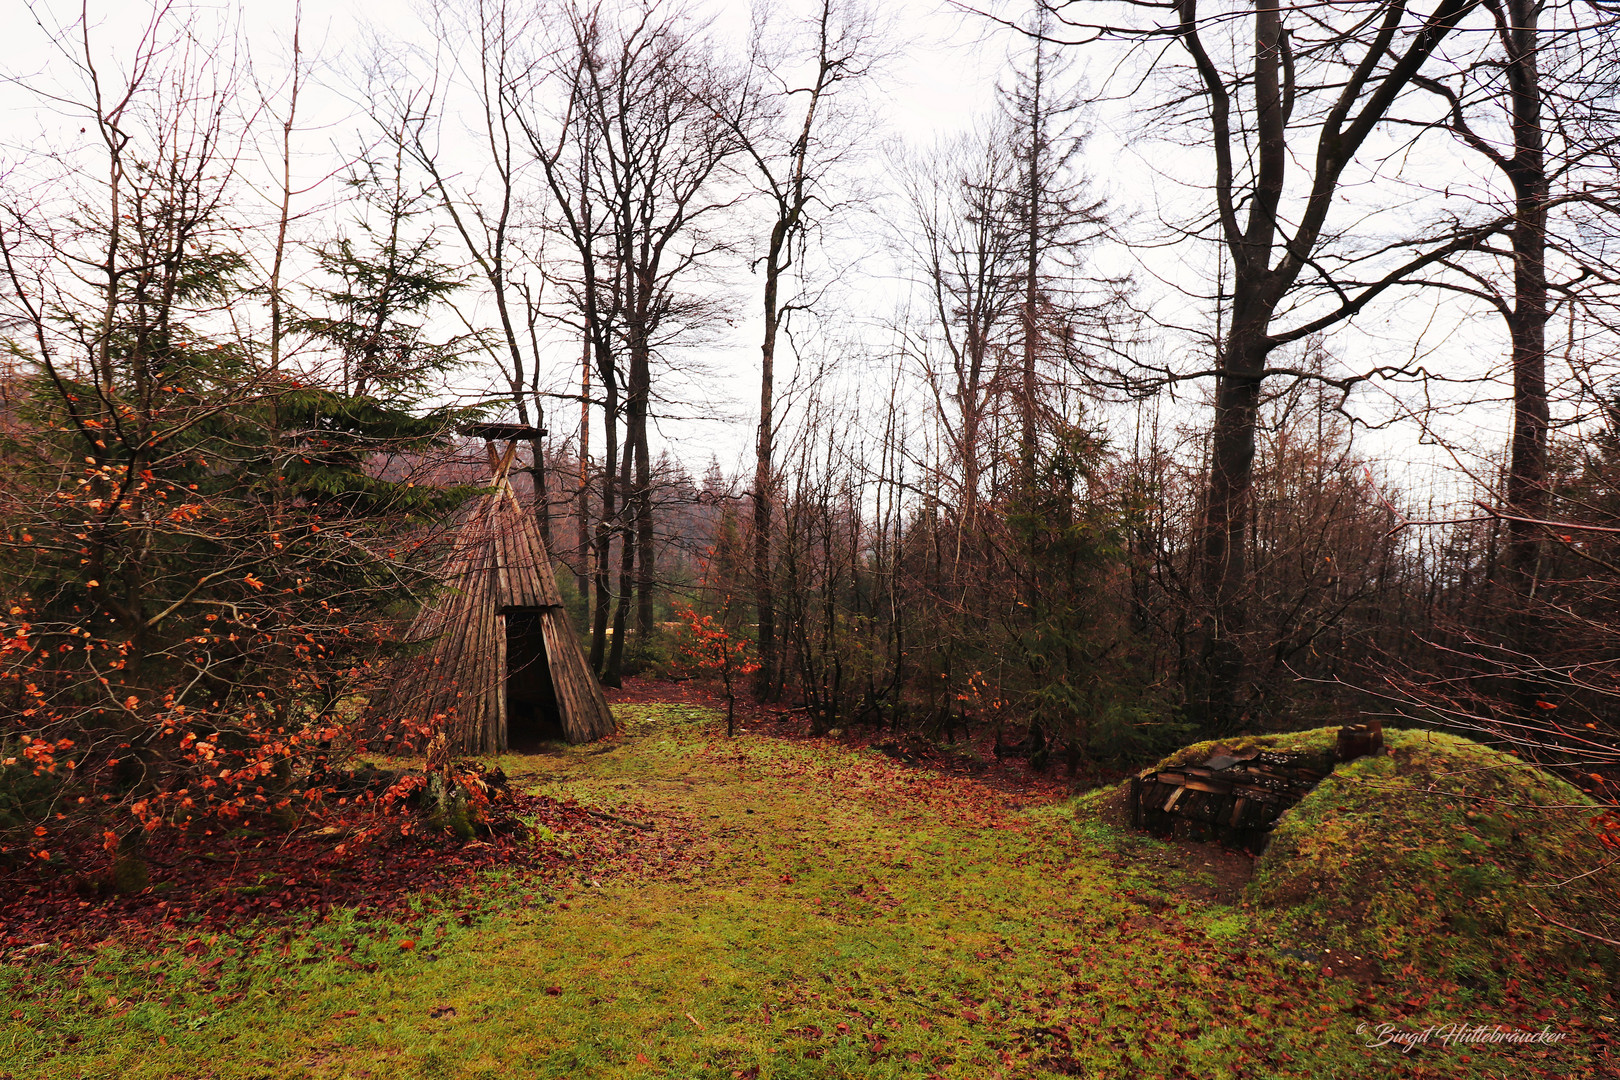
point(532, 715)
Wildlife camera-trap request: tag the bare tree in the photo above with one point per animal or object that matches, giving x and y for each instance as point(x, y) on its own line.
point(792, 163)
point(1533, 109)
point(285, 193)
point(966, 252)
point(1315, 85)
point(483, 44)
point(633, 159)
point(1000, 226)
point(563, 143)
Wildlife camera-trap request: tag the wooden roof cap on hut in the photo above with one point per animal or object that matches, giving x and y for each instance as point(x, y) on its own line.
point(498, 657)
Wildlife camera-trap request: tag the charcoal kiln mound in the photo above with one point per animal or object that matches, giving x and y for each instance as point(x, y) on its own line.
point(1235, 795)
point(1434, 850)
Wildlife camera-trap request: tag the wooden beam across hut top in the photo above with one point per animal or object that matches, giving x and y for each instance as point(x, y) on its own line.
point(493, 430)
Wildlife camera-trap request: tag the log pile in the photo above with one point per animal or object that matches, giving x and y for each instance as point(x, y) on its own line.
point(1235, 799)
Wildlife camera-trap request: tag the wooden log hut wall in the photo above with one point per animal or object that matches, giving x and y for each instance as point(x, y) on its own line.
point(498, 571)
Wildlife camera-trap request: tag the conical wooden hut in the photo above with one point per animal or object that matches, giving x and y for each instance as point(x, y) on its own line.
point(496, 654)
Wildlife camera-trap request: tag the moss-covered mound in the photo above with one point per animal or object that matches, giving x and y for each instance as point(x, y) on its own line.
point(1439, 853)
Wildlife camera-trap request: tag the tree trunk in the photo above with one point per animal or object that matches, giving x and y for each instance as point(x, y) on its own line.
point(1032, 268)
point(537, 476)
point(1223, 567)
point(582, 570)
point(1527, 325)
point(764, 596)
point(1218, 692)
point(604, 524)
point(646, 556)
point(614, 673)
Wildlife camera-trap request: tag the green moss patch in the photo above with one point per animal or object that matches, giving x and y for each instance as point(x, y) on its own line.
point(1437, 853)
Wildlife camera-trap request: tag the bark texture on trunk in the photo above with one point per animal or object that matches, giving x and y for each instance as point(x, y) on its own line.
point(610, 490)
point(613, 674)
point(582, 571)
point(637, 404)
point(1223, 565)
point(1527, 323)
point(764, 475)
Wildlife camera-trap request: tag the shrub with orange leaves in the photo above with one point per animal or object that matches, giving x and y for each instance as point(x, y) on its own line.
point(705, 647)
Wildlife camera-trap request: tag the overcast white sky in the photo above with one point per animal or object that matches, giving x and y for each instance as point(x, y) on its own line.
point(939, 81)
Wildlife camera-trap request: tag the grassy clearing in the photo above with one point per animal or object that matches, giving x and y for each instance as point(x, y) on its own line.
point(800, 911)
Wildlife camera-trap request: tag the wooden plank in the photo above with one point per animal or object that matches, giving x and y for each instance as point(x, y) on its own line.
point(1212, 787)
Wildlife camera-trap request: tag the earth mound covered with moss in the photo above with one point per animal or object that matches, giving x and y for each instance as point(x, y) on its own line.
point(1441, 852)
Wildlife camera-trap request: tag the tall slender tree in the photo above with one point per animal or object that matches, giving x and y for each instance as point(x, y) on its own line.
point(633, 157)
point(1535, 109)
point(784, 132)
point(966, 253)
point(485, 75)
point(563, 143)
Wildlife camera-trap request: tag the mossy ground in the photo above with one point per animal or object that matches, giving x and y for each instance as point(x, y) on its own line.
point(1441, 854)
point(801, 910)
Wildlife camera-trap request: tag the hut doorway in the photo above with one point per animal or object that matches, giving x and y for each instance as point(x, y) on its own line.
point(532, 715)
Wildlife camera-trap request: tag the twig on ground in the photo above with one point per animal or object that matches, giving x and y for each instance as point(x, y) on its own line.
point(1574, 929)
point(643, 826)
